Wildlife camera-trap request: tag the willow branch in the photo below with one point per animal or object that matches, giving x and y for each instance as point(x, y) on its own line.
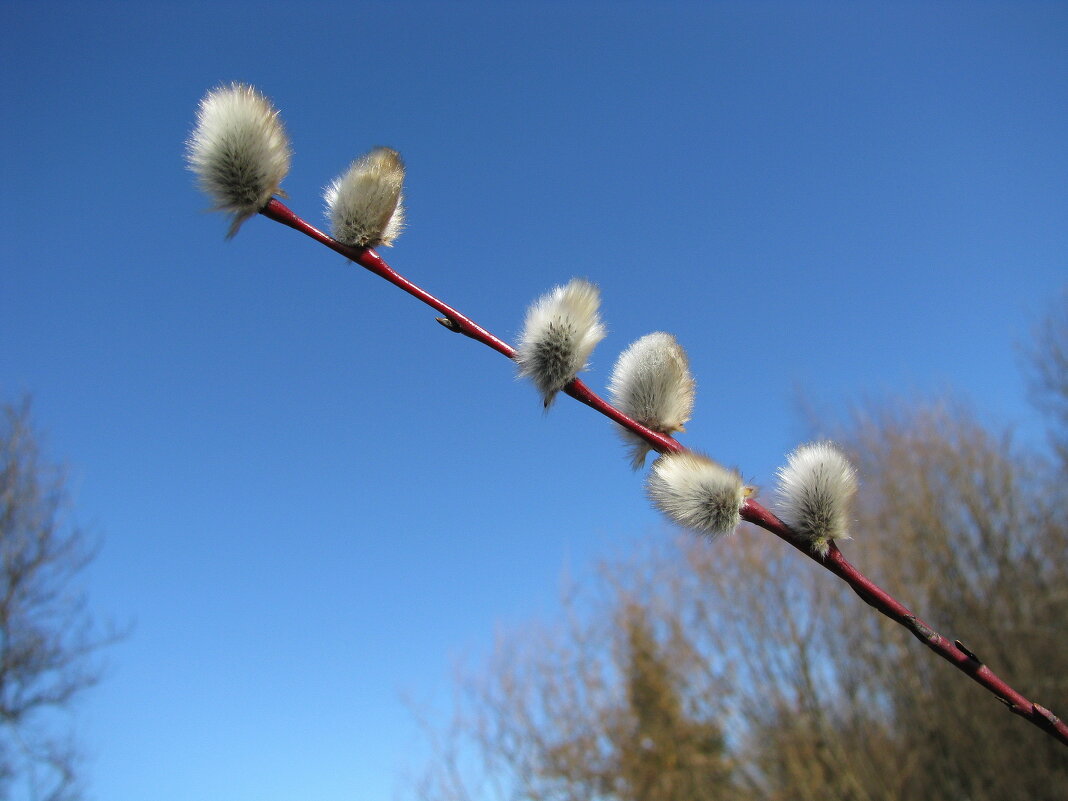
point(879, 599)
point(953, 652)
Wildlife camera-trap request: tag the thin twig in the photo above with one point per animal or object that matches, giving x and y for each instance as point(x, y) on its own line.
point(458, 322)
point(953, 652)
point(876, 597)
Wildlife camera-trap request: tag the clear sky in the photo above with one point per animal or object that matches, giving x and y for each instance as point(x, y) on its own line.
point(312, 499)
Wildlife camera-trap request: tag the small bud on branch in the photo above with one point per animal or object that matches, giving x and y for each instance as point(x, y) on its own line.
point(239, 151)
point(816, 488)
point(697, 492)
point(365, 205)
point(651, 382)
point(561, 330)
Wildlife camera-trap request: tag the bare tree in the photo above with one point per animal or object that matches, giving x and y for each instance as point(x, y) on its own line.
point(46, 633)
point(605, 706)
point(1048, 360)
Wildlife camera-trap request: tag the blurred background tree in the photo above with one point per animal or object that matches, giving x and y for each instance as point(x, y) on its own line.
point(47, 636)
point(739, 671)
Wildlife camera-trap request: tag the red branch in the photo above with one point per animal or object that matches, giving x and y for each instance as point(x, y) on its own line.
point(876, 597)
point(873, 595)
point(460, 323)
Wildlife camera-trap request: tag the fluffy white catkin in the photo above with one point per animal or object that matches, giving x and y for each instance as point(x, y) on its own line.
point(815, 492)
point(697, 492)
point(365, 205)
point(238, 150)
point(651, 383)
point(561, 330)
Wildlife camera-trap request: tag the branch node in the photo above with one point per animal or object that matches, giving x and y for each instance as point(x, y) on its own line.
point(920, 629)
point(1048, 718)
point(967, 652)
point(450, 323)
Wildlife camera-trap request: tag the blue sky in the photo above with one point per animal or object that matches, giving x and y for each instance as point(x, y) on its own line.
point(312, 499)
